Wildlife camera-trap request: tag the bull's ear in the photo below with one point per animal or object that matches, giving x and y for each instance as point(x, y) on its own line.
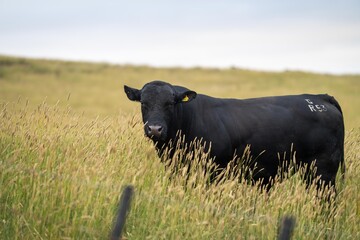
point(132, 93)
point(186, 96)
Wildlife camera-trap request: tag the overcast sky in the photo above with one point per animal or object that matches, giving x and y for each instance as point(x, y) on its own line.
point(310, 35)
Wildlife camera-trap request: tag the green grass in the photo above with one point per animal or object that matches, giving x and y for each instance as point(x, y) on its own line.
point(70, 140)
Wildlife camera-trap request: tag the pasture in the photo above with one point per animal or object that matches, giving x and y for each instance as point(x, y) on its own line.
point(70, 140)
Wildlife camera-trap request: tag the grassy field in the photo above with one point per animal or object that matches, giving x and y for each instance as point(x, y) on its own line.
point(70, 140)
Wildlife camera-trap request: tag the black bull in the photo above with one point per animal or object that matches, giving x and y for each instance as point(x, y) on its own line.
point(310, 124)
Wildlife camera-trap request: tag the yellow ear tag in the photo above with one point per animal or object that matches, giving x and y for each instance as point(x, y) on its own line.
point(185, 99)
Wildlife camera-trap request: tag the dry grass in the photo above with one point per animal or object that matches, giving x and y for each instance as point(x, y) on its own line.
point(62, 170)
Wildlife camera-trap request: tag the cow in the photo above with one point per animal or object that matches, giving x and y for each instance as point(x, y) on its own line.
point(311, 126)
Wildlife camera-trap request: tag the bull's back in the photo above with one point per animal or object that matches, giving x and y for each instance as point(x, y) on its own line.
point(274, 123)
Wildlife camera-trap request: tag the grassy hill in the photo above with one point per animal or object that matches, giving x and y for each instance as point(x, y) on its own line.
point(97, 89)
point(70, 140)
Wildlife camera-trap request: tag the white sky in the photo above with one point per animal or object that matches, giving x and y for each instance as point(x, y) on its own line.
point(310, 35)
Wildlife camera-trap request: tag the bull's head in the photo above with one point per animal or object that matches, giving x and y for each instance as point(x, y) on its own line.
point(158, 103)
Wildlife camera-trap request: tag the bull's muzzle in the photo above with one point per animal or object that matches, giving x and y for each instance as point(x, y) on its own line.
point(154, 131)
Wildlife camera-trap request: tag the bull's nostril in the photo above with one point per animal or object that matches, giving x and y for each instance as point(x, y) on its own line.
point(154, 130)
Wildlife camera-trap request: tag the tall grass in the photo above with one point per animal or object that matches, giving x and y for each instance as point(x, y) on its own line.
point(61, 176)
point(64, 163)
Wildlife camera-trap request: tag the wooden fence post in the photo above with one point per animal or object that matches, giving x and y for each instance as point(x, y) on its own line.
point(124, 207)
point(286, 228)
